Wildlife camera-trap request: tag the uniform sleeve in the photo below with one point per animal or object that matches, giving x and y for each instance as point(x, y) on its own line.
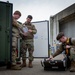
point(21, 32)
point(73, 41)
point(16, 24)
point(34, 30)
point(60, 50)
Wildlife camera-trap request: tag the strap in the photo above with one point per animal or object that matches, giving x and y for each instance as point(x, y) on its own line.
point(67, 42)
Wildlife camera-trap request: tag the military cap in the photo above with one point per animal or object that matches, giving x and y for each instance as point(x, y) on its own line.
point(60, 35)
point(30, 16)
point(17, 12)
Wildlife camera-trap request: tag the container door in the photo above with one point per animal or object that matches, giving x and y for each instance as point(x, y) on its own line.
point(41, 39)
point(5, 32)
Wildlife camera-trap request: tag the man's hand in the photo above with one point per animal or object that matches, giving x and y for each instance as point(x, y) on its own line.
point(50, 58)
point(67, 46)
point(25, 34)
point(30, 30)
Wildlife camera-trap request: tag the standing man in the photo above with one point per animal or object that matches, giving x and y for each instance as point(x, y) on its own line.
point(16, 27)
point(28, 42)
point(67, 44)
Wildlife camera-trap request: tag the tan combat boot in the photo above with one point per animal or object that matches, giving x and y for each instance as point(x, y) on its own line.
point(72, 69)
point(16, 67)
point(30, 64)
point(24, 63)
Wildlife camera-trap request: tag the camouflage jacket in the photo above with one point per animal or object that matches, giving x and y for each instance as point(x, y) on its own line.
point(30, 35)
point(60, 49)
point(16, 27)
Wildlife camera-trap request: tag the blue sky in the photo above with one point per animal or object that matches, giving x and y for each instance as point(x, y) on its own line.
point(39, 9)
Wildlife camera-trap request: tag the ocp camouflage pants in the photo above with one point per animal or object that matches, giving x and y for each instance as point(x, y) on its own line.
point(27, 46)
point(72, 53)
point(14, 47)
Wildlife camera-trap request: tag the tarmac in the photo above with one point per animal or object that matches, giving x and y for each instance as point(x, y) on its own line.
point(36, 70)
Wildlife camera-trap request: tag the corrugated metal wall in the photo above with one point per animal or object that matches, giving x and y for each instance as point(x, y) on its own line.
point(68, 28)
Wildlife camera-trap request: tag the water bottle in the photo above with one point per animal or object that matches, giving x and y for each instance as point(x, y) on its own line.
point(21, 60)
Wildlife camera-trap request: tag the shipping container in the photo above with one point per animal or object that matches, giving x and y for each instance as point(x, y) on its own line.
point(5, 32)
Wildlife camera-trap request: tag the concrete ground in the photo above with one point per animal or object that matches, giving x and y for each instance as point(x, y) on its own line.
point(36, 70)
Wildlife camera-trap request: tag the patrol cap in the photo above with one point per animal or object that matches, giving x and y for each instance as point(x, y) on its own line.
point(60, 35)
point(30, 16)
point(17, 12)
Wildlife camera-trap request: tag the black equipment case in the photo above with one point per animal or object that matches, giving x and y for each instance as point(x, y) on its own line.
point(57, 63)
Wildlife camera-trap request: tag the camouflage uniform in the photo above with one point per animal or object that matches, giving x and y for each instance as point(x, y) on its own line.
point(15, 35)
point(71, 52)
point(27, 42)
